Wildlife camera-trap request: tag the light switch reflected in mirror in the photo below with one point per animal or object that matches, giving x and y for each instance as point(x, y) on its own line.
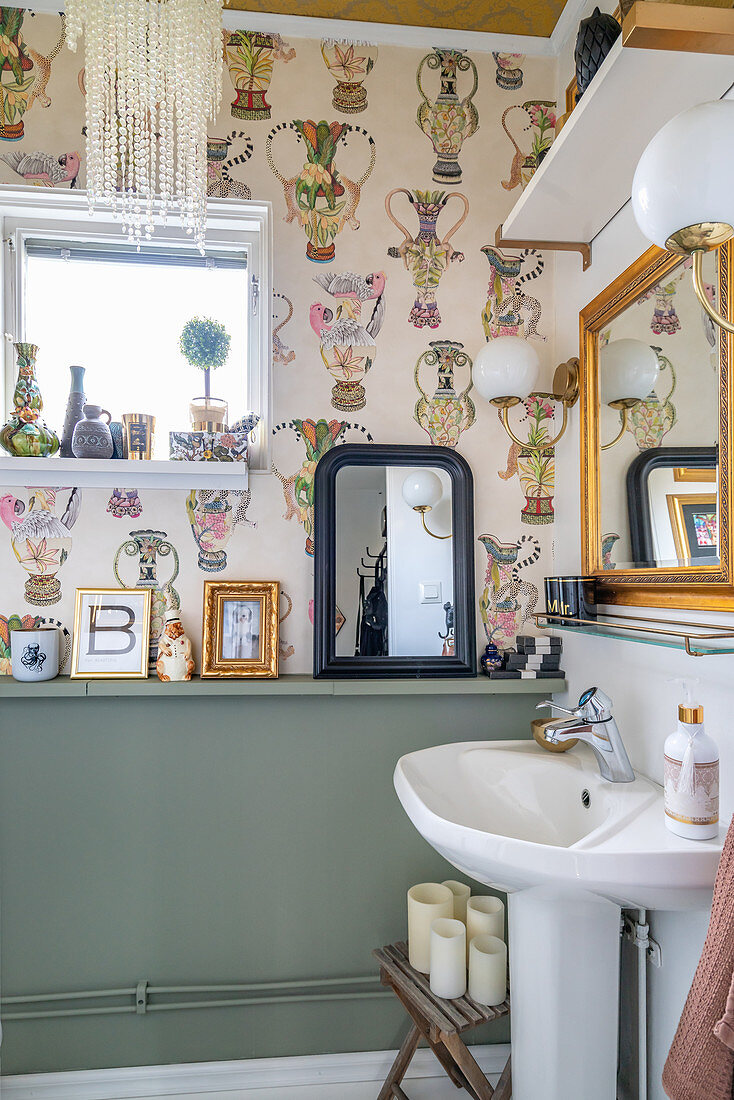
point(394, 575)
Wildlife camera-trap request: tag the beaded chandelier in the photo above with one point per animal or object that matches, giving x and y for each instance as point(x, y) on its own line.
point(153, 80)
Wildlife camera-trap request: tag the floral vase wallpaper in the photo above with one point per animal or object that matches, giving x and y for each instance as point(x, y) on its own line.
point(324, 131)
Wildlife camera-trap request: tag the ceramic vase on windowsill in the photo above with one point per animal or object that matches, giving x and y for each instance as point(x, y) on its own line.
point(26, 434)
point(74, 409)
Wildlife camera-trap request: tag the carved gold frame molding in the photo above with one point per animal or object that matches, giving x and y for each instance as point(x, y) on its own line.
point(704, 588)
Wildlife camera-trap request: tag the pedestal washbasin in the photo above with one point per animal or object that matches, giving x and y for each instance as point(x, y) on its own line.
point(571, 849)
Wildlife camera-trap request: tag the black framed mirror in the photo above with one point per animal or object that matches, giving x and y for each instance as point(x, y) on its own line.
point(394, 563)
point(672, 507)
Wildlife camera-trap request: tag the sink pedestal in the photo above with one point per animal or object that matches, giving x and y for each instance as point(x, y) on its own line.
point(564, 986)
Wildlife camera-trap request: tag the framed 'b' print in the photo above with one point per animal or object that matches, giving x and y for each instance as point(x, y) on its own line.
point(111, 627)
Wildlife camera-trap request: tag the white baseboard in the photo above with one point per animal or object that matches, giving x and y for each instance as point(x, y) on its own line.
point(199, 1078)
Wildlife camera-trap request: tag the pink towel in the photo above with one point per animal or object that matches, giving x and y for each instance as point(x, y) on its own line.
point(700, 1064)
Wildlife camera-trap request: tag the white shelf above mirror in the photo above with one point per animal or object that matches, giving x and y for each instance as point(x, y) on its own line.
point(586, 177)
point(98, 473)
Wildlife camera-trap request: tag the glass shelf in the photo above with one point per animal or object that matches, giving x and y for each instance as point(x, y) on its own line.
point(695, 639)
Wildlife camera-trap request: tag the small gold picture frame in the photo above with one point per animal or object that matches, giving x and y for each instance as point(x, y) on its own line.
point(240, 629)
point(111, 634)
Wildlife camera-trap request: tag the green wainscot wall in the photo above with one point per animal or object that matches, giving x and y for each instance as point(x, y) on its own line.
point(225, 834)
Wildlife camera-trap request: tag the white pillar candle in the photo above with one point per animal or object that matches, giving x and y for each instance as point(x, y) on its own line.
point(426, 903)
point(485, 916)
point(448, 958)
point(461, 893)
point(488, 970)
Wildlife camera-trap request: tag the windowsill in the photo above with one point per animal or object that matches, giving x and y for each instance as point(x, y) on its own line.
point(100, 473)
point(296, 685)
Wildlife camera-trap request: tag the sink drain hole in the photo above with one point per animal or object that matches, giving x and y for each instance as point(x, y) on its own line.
point(586, 798)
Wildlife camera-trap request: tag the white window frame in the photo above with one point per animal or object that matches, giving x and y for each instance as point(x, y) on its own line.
point(25, 213)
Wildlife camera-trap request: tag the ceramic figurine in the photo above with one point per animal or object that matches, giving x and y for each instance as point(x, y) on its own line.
point(148, 546)
point(349, 63)
point(175, 660)
point(426, 255)
point(92, 437)
point(490, 659)
point(320, 197)
point(41, 540)
point(449, 121)
point(25, 434)
point(74, 409)
point(250, 56)
point(447, 414)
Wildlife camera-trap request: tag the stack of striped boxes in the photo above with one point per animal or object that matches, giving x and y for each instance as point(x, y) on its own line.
point(536, 658)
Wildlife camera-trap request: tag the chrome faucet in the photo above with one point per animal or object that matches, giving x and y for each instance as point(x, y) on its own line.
point(592, 722)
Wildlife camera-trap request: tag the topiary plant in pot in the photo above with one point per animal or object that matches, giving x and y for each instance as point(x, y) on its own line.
point(205, 344)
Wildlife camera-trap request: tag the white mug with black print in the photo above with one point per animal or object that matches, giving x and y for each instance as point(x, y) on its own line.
point(34, 653)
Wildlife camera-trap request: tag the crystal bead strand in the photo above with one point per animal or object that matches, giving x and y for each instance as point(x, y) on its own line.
point(153, 81)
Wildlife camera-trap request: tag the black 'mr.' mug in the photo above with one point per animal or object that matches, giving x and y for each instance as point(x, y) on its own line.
point(570, 598)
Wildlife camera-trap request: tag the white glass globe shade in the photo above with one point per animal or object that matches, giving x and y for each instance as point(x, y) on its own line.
point(507, 366)
point(685, 174)
point(628, 370)
point(422, 488)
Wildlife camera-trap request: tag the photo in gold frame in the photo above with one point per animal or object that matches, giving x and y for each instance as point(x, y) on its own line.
point(240, 633)
point(111, 633)
point(695, 586)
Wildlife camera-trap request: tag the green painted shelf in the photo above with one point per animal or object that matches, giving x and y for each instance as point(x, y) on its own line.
point(64, 687)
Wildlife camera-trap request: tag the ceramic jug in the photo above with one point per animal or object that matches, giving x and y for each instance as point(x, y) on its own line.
point(92, 437)
point(448, 121)
point(25, 434)
point(319, 197)
point(426, 256)
point(74, 409)
point(446, 414)
point(148, 546)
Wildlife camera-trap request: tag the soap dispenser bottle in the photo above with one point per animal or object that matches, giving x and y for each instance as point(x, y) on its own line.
point(691, 770)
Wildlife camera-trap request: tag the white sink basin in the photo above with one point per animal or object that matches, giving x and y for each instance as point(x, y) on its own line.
point(513, 816)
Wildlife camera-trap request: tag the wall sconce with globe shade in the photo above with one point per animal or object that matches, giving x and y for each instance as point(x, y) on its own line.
point(421, 490)
point(505, 371)
point(628, 370)
point(682, 194)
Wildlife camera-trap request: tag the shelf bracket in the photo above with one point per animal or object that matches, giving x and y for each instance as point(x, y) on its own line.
point(547, 246)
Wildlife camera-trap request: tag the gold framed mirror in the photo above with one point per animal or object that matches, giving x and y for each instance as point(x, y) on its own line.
point(655, 412)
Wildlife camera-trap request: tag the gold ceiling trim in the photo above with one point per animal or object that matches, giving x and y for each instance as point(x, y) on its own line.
point(534, 17)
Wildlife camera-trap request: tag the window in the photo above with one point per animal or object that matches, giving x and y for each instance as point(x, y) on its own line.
point(85, 296)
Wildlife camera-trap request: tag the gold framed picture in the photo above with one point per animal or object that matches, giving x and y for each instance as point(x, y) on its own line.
point(240, 629)
point(111, 633)
point(694, 520)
